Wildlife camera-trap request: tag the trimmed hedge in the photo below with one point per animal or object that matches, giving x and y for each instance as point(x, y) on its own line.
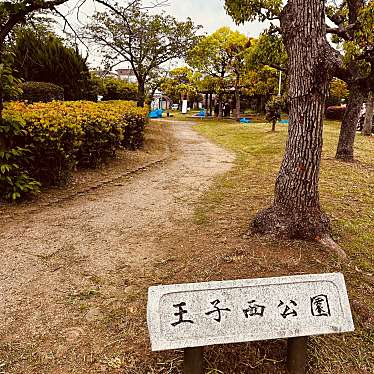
point(41, 92)
point(15, 180)
point(64, 135)
point(335, 113)
point(116, 89)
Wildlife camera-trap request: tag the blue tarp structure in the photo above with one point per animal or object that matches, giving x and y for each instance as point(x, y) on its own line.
point(156, 113)
point(245, 120)
point(284, 121)
point(200, 114)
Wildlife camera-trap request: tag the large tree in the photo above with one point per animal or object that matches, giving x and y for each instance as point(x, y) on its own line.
point(181, 83)
point(12, 13)
point(353, 33)
point(296, 210)
point(145, 41)
point(260, 83)
point(219, 55)
point(354, 30)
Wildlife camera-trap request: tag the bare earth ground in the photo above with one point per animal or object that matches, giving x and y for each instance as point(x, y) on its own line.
point(72, 267)
point(76, 266)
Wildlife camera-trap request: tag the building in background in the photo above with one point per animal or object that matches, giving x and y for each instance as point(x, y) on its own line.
point(104, 73)
point(127, 75)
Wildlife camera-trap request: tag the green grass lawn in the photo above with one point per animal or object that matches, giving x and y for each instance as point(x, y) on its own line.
point(347, 195)
point(347, 189)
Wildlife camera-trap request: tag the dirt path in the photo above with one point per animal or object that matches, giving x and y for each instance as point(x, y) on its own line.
point(70, 273)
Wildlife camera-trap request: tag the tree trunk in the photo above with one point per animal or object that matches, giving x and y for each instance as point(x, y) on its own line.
point(273, 125)
point(206, 104)
point(259, 104)
point(368, 125)
point(349, 124)
point(211, 104)
point(141, 94)
point(1, 85)
point(296, 211)
point(220, 106)
point(237, 103)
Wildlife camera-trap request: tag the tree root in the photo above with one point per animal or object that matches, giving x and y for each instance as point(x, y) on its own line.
point(328, 242)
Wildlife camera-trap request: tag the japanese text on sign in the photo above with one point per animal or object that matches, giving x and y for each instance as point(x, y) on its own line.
point(191, 315)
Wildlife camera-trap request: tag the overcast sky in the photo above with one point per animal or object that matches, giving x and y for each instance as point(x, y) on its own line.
point(211, 14)
point(208, 13)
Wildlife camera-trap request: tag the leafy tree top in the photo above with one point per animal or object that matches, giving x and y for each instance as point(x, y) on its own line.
point(353, 27)
point(215, 54)
point(250, 10)
point(181, 81)
point(146, 41)
point(13, 12)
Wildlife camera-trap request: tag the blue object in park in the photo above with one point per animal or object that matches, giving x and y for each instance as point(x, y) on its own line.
point(284, 121)
point(200, 114)
point(245, 120)
point(156, 113)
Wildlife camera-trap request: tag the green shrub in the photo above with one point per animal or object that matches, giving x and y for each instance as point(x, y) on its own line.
point(273, 110)
point(63, 135)
point(15, 181)
point(41, 92)
point(133, 117)
point(116, 89)
point(102, 136)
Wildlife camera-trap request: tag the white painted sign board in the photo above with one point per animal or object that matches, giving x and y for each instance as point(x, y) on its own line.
point(201, 314)
point(184, 106)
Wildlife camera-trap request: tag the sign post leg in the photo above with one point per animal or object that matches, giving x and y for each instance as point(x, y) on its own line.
point(193, 360)
point(296, 355)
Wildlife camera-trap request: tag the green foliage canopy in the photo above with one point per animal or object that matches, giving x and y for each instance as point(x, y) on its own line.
point(250, 10)
point(144, 40)
point(215, 53)
point(181, 82)
point(41, 56)
point(117, 89)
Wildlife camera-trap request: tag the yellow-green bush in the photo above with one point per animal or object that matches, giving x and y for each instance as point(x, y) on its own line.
point(61, 135)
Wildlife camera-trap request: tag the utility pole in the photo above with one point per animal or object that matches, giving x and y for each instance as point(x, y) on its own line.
point(280, 83)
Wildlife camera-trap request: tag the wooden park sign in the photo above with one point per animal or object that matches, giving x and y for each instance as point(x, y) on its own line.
point(191, 316)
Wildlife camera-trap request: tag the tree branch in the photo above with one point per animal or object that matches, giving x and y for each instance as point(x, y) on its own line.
point(68, 24)
point(18, 14)
point(342, 32)
point(277, 67)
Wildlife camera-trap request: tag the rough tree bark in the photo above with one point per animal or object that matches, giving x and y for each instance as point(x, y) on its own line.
point(345, 150)
point(368, 124)
point(296, 211)
point(141, 93)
